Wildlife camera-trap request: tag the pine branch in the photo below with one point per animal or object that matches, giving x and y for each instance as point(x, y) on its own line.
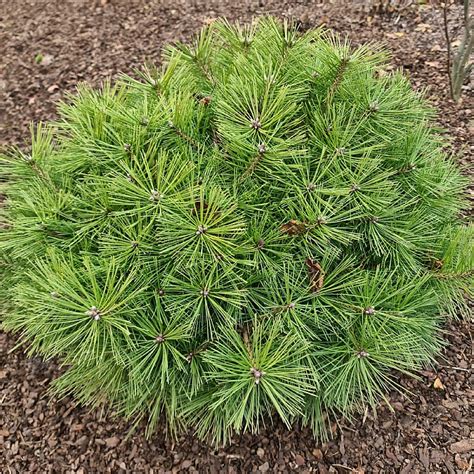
point(449, 276)
point(341, 69)
point(254, 163)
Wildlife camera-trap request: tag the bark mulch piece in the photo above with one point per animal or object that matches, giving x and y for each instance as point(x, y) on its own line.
point(50, 46)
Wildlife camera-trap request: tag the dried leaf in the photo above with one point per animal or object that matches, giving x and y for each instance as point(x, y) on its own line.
point(397, 34)
point(423, 27)
point(112, 442)
point(463, 446)
point(316, 275)
point(209, 20)
point(438, 384)
point(318, 454)
point(205, 100)
point(293, 227)
point(462, 463)
point(299, 460)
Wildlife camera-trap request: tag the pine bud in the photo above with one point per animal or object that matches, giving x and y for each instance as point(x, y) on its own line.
point(262, 148)
point(291, 305)
point(127, 147)
point(94, 313)
point(374, 219)
point(160, 339)
point(257, 374)
point(134, 244)
point(256, 124)
point(369, 310)
point(155, 195)
point(204, 292)
point(354, 188)
point(311, 187)
point(201, 230)
point(144, 122)
point(408, 168)
point(246, 42)
point(361, 354)
point(270, 78)
point(54, 294)
point(374, 107)
point(260, 244)
point(161, 292)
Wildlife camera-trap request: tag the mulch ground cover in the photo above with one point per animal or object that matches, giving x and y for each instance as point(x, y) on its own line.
point(47, 47)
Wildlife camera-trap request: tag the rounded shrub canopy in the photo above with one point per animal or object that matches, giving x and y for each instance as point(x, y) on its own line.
point(267, 227)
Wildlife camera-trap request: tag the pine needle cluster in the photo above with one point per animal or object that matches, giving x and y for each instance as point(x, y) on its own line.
point(268, 226)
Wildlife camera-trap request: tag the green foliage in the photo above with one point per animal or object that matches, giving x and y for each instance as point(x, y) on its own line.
point(267, 226)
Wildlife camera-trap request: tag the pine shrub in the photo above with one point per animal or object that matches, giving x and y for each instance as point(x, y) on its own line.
point(266, 228)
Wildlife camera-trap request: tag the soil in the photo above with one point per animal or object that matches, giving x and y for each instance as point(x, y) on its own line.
point(50, 46)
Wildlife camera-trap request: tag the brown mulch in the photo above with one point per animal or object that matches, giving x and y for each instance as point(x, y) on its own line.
point(431, 431)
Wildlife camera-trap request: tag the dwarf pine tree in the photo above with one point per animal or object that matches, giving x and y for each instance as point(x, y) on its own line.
point(266, 227)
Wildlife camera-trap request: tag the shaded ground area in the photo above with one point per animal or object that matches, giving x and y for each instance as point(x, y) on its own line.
point(47, 48)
